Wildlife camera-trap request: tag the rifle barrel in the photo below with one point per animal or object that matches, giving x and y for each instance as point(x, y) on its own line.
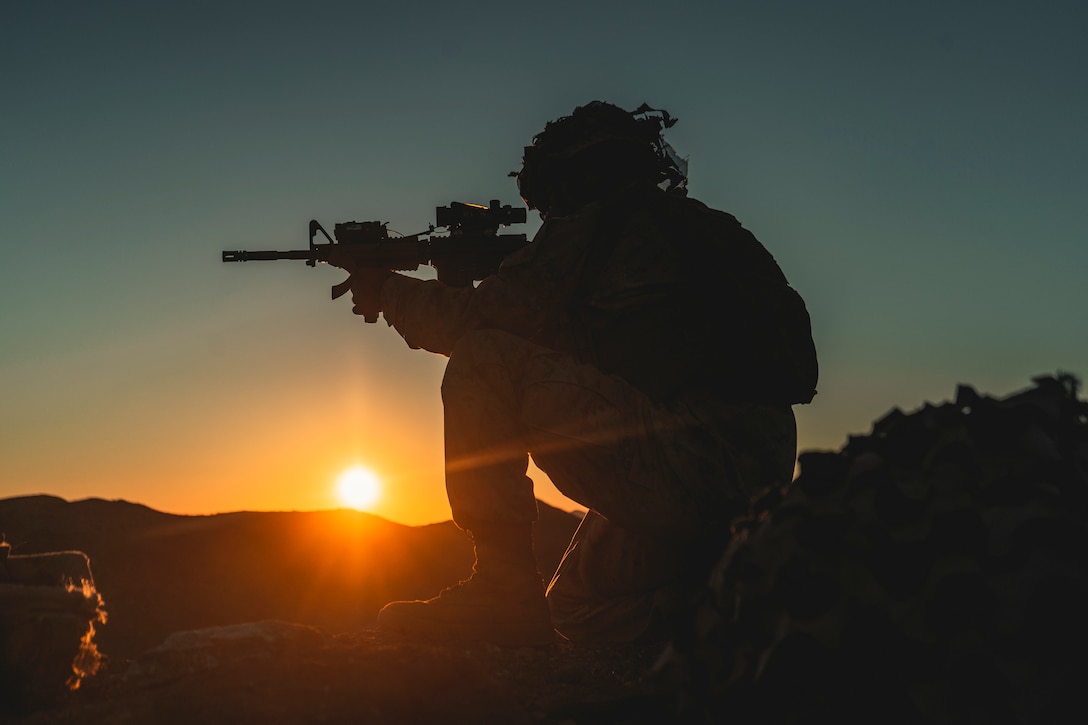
point(266, 255)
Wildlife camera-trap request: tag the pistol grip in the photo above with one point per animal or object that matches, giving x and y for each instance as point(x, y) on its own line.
point(338, 290)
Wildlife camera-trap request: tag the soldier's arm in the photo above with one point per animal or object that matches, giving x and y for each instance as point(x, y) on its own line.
point(526, 291)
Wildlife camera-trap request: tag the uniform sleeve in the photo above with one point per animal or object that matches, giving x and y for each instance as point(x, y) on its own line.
point(531, 286)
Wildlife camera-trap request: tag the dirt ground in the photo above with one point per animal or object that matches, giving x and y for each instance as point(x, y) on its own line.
point(368, 677)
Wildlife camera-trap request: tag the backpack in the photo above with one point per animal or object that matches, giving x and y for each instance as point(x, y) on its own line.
point(732, 329)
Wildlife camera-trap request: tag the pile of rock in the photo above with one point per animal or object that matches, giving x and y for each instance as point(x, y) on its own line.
point(48, 609)
point(932, 571)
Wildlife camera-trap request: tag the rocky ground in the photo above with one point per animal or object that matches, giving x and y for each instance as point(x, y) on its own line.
point(275, 672)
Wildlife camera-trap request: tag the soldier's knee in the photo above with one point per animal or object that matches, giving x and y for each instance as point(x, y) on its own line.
point(477, 356)
point(483, 345)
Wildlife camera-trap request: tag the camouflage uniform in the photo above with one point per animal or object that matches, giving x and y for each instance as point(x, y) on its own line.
point(661, 461)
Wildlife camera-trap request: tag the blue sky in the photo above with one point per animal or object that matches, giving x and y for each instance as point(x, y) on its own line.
point(918, 170)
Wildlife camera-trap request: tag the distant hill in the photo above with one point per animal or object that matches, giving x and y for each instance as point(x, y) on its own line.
point(160, 573)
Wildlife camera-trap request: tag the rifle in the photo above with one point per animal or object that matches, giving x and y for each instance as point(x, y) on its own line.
point(470, 251)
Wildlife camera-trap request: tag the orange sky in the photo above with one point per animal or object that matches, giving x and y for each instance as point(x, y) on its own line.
point(287, 435)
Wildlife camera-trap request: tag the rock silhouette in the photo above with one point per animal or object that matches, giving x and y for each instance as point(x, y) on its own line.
point(932, 571)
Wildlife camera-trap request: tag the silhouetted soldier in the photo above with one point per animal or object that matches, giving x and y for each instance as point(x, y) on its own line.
point(644, 348)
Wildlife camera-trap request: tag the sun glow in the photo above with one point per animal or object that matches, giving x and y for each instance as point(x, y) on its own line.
point(358, 488)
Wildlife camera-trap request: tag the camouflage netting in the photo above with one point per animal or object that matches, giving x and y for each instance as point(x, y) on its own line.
point(48, 609)
point(932, 571)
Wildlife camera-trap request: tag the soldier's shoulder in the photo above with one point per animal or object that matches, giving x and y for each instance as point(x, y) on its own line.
point(696, 208)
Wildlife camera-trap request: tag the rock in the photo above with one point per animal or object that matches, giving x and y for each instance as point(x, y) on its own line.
point(185, 653)
point(932, 571)
point(48, 609)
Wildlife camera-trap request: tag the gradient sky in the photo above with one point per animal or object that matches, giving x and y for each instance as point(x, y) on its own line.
point(917, 169)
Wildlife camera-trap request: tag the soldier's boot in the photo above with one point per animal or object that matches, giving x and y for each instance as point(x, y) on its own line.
point(502, 602)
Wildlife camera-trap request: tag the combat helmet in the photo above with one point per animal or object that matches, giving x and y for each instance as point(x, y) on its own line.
point(589, 154)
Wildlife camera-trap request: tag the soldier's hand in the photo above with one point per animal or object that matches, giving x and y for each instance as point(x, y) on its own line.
point(365, 284)
point(366, 291)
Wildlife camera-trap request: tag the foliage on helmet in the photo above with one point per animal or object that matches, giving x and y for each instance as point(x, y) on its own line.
point(603, 142)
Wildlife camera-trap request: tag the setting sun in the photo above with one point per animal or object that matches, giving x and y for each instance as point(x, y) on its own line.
point(358, 488)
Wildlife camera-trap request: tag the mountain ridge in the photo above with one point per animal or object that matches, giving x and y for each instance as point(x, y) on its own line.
point(160, 573)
